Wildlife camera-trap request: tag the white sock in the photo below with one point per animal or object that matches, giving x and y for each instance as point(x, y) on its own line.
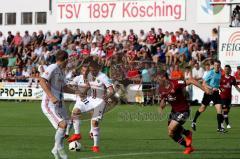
point(59, 136)
point(55, 152)
point(91, 130)
point(96, 135)
point(76, 125)
point(69, 127)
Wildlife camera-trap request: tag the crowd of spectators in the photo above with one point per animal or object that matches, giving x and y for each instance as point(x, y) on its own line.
point(127, 57)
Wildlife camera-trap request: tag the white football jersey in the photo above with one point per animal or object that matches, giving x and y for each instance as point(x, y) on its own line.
point(79, 80)
point(99, 84)
point(56, 79)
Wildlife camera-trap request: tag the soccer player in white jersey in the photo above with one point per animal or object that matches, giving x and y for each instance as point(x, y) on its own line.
point(53, 84)
point(82, 101)
point(96, 102)
point(101, 88)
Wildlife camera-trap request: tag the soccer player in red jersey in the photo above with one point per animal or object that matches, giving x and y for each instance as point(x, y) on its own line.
point(172, 91)
point(226, 83)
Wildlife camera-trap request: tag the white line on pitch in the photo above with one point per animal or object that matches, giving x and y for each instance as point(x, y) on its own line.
point(128, 154)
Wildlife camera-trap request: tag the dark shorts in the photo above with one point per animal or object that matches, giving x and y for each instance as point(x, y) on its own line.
point(226, 103)
point(215, 98)
point(180, 117)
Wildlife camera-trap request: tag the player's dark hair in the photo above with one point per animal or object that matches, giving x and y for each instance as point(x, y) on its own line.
point(61, 55)
point(217, 61)
point(228, 66)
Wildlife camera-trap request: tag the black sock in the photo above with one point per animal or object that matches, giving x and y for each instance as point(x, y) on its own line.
point(197, 114)
point(183, 131)
point(219, 120)
point(225, 115)
point(145, 100)
point(179, 139)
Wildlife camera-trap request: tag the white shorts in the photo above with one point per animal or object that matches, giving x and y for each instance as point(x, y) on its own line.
point(89, 104)
point(54, 112)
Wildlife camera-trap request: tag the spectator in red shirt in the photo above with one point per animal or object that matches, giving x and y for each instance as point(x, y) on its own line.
point(151, 41)
point(108, 38)
point(173, 37)
point(85, 52)
point(132, 37)
point(110, 50)
point(237, 75)
point(16, 43)
point(133, 73)
point(17, 40)
point(131, 54)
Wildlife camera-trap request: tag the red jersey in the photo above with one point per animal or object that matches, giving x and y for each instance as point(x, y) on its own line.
point(237, 76)
point(108, 38)
point(176, 97)
point(131, 38)
point(85, 52)
point(110, 53)
point(226, 84)
point(151, 39)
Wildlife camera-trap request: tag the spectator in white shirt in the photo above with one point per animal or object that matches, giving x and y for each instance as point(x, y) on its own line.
point(172, 50)
point(142, 38)
point(94, 49)
point(2, 39)
point(25, 74)
point(206, 69)
point(197, 72)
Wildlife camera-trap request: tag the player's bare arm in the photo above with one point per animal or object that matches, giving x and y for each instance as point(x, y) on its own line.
point(204, 86)
point(162, 106)
point(44, 84)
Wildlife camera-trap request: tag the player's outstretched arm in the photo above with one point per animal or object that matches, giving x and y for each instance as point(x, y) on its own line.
point(45, 86)
point(197, 84)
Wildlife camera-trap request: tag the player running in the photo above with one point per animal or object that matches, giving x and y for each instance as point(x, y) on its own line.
point(54, 85)
point(227, 81)
point(211, 81)
point(172, 91)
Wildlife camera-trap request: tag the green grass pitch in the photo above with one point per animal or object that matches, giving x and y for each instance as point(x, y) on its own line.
point(129, 132)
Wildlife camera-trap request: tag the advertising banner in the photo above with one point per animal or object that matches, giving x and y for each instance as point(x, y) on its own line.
point(69, 11)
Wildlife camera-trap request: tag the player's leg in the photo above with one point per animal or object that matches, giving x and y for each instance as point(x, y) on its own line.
point(76, 125)
point(97, 116)
point(218, 105)
point(51, 111)
point(206, 100)
point(66, 115)
point(175, 133)
point(59, 139)
point(219, 118)
point(226, 108)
